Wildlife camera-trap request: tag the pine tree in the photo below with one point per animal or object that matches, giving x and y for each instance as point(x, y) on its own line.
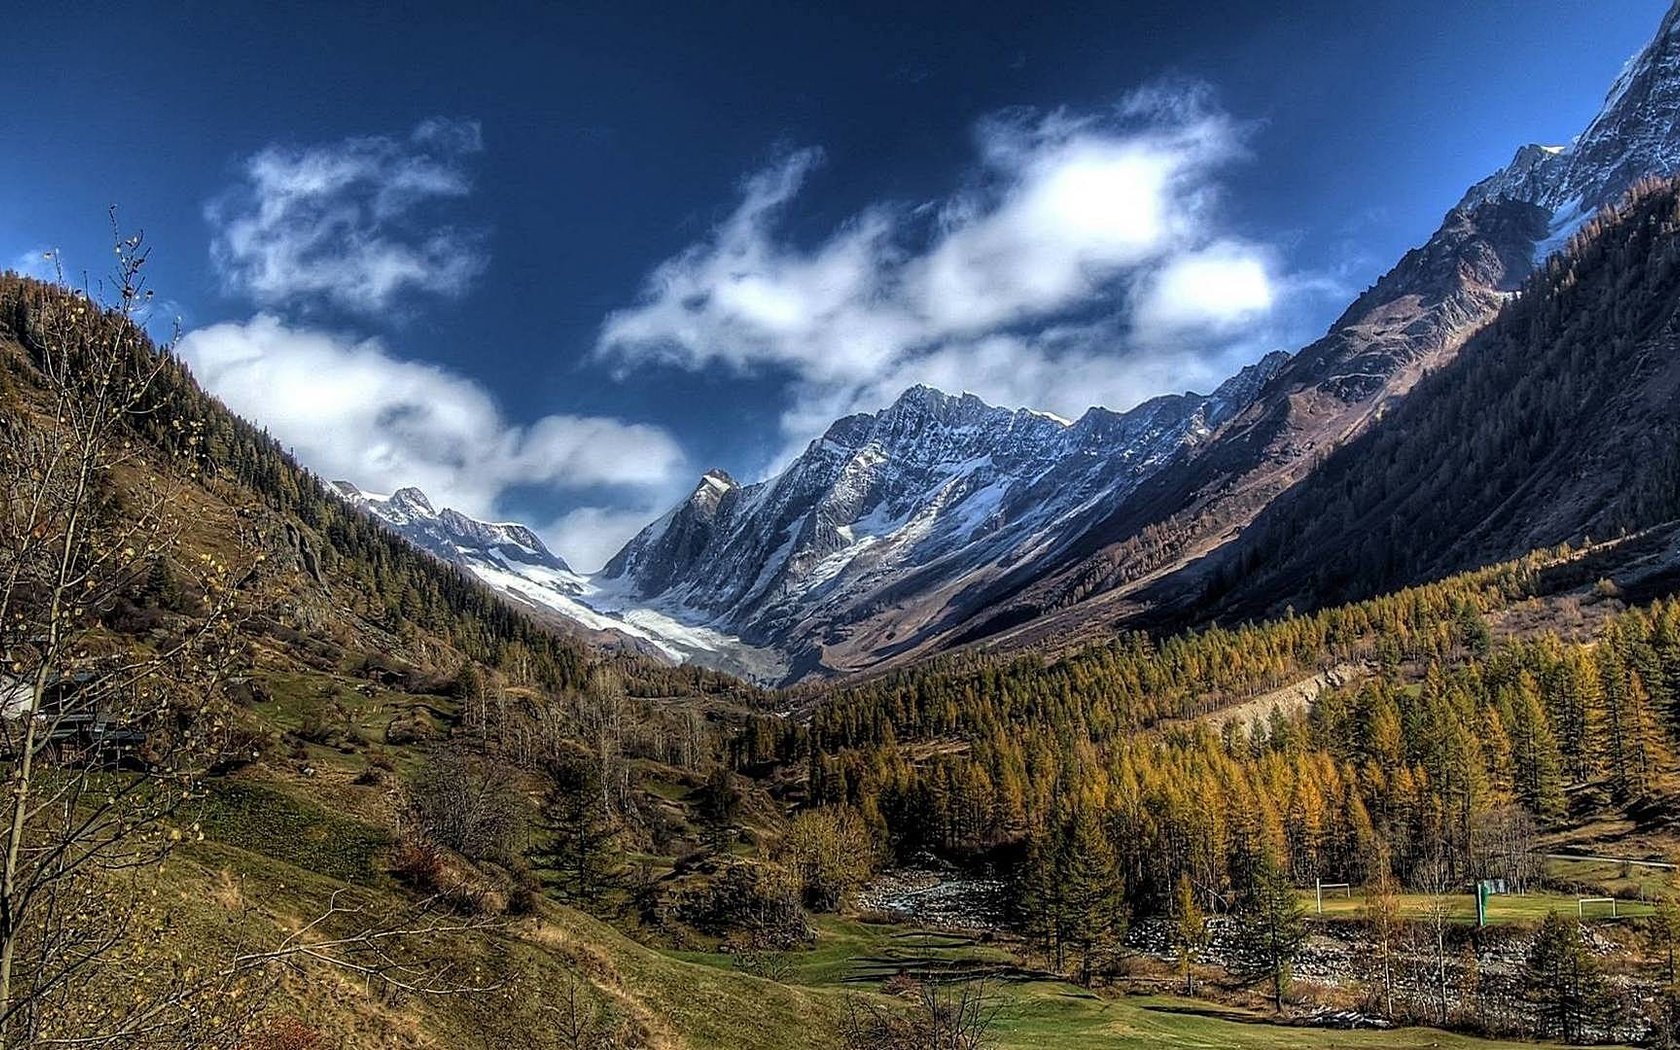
point(1042, 897)
point(1271, 925)
point(720, 809)
point(578, 846)
point(1096, 896)
point(161, 589)
point(1563, 980)
point(1645, 752)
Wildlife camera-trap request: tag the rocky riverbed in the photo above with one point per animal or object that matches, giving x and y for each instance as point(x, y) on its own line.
point(939, 897)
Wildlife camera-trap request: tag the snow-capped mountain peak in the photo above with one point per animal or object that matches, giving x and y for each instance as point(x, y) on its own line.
point(454, 536)
point(932, 494)
point(1632, 137)
point(511, 558)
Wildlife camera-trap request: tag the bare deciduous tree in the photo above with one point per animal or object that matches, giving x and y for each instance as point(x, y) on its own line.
point(103, 742)
point(950, 1015)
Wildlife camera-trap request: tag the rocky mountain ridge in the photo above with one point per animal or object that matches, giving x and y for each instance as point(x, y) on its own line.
point(511, 558)
point(925, 499)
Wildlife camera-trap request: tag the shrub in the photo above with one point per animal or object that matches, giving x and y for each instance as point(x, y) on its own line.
point(419, 863)
point(285, 1033)
point(468, 803)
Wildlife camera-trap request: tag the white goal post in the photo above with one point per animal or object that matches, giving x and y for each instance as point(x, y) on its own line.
point(1581, 905)
point(1320, 887)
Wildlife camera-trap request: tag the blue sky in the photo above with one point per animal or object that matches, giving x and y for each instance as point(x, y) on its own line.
point(550, 264)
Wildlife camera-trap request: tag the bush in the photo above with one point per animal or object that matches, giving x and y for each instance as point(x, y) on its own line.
point(407, 728)
point(832, 853)
point(469, 803)
point(285, 1033)
point(755, 905)
point(419, 863)
point(431, 870)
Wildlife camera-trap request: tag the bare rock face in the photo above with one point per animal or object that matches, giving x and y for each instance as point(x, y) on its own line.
point(1632, 138)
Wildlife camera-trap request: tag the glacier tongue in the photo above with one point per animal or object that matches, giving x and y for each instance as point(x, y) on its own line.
point(511, 558)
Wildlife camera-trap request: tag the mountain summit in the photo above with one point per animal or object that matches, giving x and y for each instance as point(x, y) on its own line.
point(1631, 138)
point(454, 536)
point(876, 533)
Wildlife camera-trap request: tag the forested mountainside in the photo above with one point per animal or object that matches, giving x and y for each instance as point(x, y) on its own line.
point(335, 562)
point(1558, 422)
point(286, 765)
point(1414, 319)
point(1457, 713)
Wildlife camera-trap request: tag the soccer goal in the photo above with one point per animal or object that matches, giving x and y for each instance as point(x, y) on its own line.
point(1346, 888)
point(1596, 902)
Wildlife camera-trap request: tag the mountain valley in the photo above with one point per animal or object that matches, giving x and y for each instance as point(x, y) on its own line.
point(1336, 706)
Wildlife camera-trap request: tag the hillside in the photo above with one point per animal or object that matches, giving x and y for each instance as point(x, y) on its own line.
point(1557, 423)
point(332, 669)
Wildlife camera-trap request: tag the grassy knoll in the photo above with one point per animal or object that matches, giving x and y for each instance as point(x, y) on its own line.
point(244, 888)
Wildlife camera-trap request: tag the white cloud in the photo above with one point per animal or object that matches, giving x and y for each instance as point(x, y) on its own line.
point(356, 224)
point(1083, 263)
point(41, 263)
point(589, 536)
point(352, 410)
point(1219, 286)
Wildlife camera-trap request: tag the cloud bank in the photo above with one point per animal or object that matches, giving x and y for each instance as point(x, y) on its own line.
point(358, 225)
point(351, 409)
point(1081, 263)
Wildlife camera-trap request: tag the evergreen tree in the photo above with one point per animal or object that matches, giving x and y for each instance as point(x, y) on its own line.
point(161, 589)
point(1042, 898)
point(578, 846)
point(720, 809)
point(1537, 763)
point(1271, 926)
point(1096, 911)
point(1563, 980)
